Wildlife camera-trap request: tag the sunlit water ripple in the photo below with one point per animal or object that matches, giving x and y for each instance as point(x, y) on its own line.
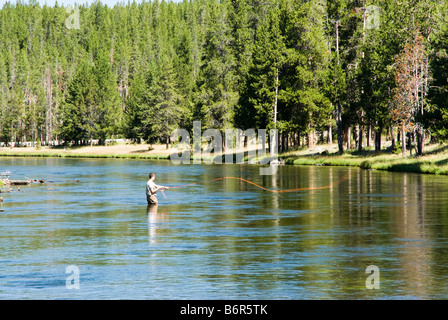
point(222, 239)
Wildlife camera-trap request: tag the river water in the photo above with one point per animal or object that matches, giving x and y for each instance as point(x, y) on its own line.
point(224, 239)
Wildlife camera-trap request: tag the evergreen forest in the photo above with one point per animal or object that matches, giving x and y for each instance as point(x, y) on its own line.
point(324, 71)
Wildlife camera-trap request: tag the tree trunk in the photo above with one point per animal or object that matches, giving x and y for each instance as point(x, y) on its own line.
point(268, 138)
point(349, 134)
point(369, 135)
point(276, 99)
point(378, 141)
point(392, 136)
point(340, 133)
point(360, 139)
point(420, 141)
point(311, 139)
point(285, 141)
point(414, 143)
point(282, 140)
point(356, 136)
point(279, 142)
point(330, 133)
point(403, 141)
point(223, 144)
point(339, 107)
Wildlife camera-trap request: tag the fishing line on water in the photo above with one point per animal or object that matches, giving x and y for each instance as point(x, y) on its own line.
point(337, 182)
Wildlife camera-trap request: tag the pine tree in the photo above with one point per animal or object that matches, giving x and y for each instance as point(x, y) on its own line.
point(162, 112)
point(336, 14)
point(261, 92)
point(108, 110)
point(241, 37)
point(77, 117)
point(133, 115)
point(216, 94)
point(411, 88)
point(437, 91)
point(306, 69)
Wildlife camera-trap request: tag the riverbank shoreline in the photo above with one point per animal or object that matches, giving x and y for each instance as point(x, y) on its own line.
point(433, 161)
point(125, 151)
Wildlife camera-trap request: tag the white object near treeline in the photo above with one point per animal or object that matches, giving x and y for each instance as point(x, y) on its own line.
point(234, 138)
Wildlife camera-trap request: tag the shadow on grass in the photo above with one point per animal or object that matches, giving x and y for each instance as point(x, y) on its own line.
point(437, 150)
point(441, 162)
point(253, 156)
point(415, 167)
point(142, 151)
point(63, 147)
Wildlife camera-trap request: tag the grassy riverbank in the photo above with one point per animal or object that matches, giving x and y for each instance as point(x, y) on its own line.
point(434, 160)
point(124, 151)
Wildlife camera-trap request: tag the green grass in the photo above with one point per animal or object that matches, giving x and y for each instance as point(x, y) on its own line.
point(434, 161)
point(85, 155)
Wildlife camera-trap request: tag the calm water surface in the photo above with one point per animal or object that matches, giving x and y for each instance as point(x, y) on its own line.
point(223, 239)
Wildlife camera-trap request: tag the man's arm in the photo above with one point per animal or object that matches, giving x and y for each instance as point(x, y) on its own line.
point(156, 187)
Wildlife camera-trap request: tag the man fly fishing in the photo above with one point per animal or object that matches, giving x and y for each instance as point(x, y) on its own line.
point(151, 189)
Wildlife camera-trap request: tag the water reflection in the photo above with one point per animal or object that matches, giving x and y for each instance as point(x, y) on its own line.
point(412, 236)
point(249, 243)
point(155, 217)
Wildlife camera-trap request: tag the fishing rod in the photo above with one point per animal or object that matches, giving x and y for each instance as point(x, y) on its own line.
point(9, 173)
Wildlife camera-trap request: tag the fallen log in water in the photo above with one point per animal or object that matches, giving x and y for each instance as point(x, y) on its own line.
point(18, 182)
point(9, 182)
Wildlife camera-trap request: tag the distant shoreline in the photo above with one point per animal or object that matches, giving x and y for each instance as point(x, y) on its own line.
point(140, 151)
point(434, 161)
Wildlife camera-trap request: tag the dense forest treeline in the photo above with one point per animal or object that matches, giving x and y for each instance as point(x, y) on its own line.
point(315, 70)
